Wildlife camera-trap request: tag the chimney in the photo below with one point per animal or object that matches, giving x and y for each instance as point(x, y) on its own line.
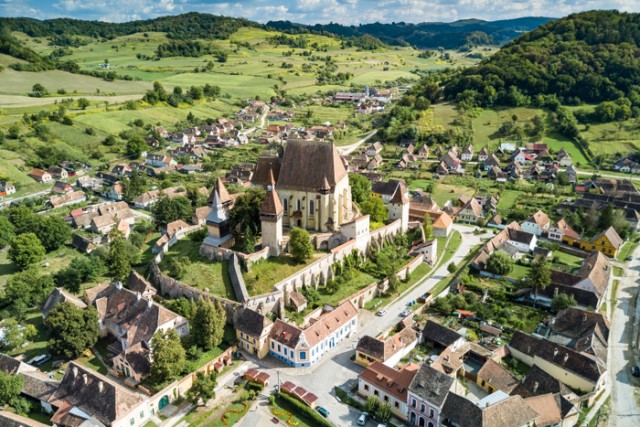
point(149, 303)
point(555, 292)
point(566, 357)
point(75, 371)
point(118, 285)
point(555, 352)
point(100, 386)
point(85, 379)
point(584, 317)
point(138, 296)
point(535, 387)
point(446, 358)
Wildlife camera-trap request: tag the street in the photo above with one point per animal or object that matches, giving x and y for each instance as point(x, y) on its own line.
point(336, 369)
point(347, 149)
point(624, 408)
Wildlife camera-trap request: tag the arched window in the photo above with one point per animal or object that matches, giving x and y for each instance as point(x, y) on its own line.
point(312, 207)
point(298, 205)
point(286, 205)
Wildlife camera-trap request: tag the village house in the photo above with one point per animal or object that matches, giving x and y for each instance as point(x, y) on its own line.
point(492, 376)
point(385, 189)
point(559, 230)
point(608, 242)
point(388, 385)
point(303, 347)
point(40, 175)
point(490, 162)
point(252, 332)
point(563, 158)
point(7, 188)
point(61, 187)
point(58, 173)
point(160, 161)
point(537, 224)
point(472, 212)
point(389, 350)
point(496, 410)
point(67, 199)
point(374, 149)
point(512, 239)
point(483, 155)
point(467, 153)
point(426, 397)
point(436, 336)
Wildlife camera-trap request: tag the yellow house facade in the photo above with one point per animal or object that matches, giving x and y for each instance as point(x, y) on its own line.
point(252, 332)
point(608, 242)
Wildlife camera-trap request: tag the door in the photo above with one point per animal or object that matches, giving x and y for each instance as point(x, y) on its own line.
point(163, 402)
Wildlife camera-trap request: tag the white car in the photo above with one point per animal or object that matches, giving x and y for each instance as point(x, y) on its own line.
point(405, 313)
point(381, 312)
point(363, 419)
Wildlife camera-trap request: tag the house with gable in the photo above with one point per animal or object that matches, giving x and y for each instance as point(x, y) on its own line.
point(252, 331)
point(388, 385)
point(303, 347)
point(483, 155)
point(7, 188)
point(427, 393)
point(538, 223)
point(491, 162)
point(467, 153)
point(608, 242)
point(472, 212)
point(560, 229)
point(563, 158)
point(495, 410)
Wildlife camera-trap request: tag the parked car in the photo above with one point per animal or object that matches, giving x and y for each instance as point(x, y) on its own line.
point(381, 312)
point(362, 420)
point(323, 411)
point(629, 258)
point(635, 371)
point(405, 313)
point(43, 360)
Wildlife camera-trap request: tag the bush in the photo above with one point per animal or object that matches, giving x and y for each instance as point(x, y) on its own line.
point(308, 412)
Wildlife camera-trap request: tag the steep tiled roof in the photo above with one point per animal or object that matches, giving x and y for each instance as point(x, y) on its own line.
point(285, 333)
point(399, 341)
point(538, 382)
point(431, 384)
point(38, 386)
point(539, 218)
point(266, 164)
point(371, 347)
point(612, 237)
point(138, 358)
point(400, 196)
point(306, 163)
point(497, 376)
point(330, 322)
point(443, 221)
point(386, 188)
point(94, 394)
point(271, 204)
point(439, 334)
point(547, 408)
point(57, 296)
point(597, 269)
point(10, 365)
point(175, 226)
point(251, 322)
point(223, 194)
point(510, 412)
point(392, 381)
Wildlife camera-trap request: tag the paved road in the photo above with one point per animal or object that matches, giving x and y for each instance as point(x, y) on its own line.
point(349, 148)
point(624, 409)
point(337, 369)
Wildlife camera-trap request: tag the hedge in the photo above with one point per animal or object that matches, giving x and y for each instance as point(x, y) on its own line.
point(307, 411)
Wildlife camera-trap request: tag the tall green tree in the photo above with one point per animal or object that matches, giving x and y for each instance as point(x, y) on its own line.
point(427, 224)
point(167, 210)
point(7, 231)
point(539, 275)
point(53, 232)
point(25, 250)
point(169, 357)
point(376, 208)
point(203, 388)
point(300, 244)
point(72, 329)
point(384, 412)
point(10, 387)
point(207, 325)
point(360, 188)
point(134, 186)
point(28, 288)
point(118, 261)
point(499, 263)
point(372, 404)
point(245, 213)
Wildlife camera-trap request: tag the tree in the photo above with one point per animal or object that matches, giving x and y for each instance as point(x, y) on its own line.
point(118, 261)
point(135, 146)
point(27, 289)
point(539, 275)
point(53, 232)
point(169, 357)
point(83, 103)
point(499, 263)
point(167, 210)
point(207, 325)
point(134, 186)
point(15, 335)
point(10, 387)
point(183, 306)
point(203, 388)
point(451, 268)
point(7, 231)
point(26, 249)
point(562, 301)
point(39, 91)
point(80, 270)
point(300, 244)
point(427, 224)
point(72, 329)
point(384, 412)
point(376, 208)
point(245, 213)
point(360, 188)
point(372, 404)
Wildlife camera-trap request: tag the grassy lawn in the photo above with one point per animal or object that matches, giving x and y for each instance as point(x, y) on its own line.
point(360, 280)
point(508, 199)
point(202, 273)
point(444, 192)
point(627, 249)
point(38, 344)
point(567, 259)
point(519, 271)
point(266, 273)
point(420, 271)
point(90, 360)
point(455, 239)
point(618, 271)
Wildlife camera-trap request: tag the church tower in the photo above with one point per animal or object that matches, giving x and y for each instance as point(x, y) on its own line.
point(218, 222)
point(271, 219)
point(398, 207)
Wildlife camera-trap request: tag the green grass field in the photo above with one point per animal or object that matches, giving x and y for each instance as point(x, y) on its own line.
point(262, 275)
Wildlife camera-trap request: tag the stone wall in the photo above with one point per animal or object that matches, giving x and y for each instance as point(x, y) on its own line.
point(172, 288)
point(237, 281)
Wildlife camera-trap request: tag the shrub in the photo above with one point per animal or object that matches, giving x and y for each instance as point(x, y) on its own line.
point(318, 420)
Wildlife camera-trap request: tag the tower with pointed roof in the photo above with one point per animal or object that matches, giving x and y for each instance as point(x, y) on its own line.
point(398, 207)
point(271, 219)
point(218, 223)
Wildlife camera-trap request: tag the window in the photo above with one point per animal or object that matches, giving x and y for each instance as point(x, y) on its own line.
point(396, 404)
point(413, 403)
point(431, 413)
point(375, 392)
point(298, 205)
point(286, 205)
point(366, 387)
point(132, 421)
point(386, 398)
point(279, 347)
point(272, 346)
point(141, 414)
point(303, 355)
point(423, 408)
point(312, 207)
point(285, 351)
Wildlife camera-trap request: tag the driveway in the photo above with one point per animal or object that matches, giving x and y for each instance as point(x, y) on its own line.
point(624, 409)
point(336, 369)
